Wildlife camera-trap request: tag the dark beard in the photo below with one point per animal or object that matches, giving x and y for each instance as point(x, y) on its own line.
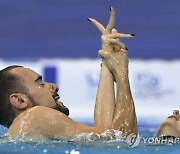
point(59, 106)
point(62, 108)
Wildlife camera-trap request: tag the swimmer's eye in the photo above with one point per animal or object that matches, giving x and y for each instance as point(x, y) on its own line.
point(42, 83)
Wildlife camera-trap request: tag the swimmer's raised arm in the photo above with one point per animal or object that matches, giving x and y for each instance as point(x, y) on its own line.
point(105, 100)
point(114, 55)
point(124, 115)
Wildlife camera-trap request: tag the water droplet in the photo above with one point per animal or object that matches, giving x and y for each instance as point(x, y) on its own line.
point(45, 150)
point(66, 151)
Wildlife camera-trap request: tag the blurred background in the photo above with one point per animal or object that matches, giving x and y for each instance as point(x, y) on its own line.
point(54, 38)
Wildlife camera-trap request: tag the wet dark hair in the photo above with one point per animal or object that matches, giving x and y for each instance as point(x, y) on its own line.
point(9, 83)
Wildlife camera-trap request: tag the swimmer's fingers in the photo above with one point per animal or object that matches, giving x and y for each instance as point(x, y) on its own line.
point(111, 22)
point(98, 25)
point(110, 44)
point(116, 48)
point(119, 35)
point(104, 54)
point(110, 25)
point(116, 43)
point(113, 40)
point(108, 57)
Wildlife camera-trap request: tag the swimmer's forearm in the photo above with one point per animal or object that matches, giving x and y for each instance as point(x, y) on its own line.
point(125, 110)
point(105, 99)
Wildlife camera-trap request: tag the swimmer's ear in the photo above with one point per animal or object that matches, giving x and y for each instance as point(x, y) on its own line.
point(18, 100)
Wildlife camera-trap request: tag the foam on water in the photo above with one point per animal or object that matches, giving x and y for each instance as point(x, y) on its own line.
point(107, 142)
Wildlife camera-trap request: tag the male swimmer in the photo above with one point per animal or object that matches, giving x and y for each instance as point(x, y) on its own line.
point(28, 105)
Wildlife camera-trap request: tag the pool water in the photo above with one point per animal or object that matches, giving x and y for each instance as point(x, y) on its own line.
point(86, 147)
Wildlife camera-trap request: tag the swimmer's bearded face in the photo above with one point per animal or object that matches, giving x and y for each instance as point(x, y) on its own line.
point(59, 106)
point(39, 92)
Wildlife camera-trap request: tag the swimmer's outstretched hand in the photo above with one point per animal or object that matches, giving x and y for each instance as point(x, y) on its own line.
point(110, 37)
point(117, 60)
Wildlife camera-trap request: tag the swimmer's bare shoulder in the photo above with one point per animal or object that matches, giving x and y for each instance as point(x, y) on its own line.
point(41, 119)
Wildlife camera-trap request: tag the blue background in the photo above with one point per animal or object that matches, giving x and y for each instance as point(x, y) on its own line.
point(33, 29)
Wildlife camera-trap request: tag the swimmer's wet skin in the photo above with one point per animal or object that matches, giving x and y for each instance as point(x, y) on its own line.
point(170, 126)
point(32, 106)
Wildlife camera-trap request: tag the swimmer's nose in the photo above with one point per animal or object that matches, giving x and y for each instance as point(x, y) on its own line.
point(53, 88)
point(176, 112)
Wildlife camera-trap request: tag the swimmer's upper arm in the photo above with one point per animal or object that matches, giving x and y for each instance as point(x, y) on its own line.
point(47, 120)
